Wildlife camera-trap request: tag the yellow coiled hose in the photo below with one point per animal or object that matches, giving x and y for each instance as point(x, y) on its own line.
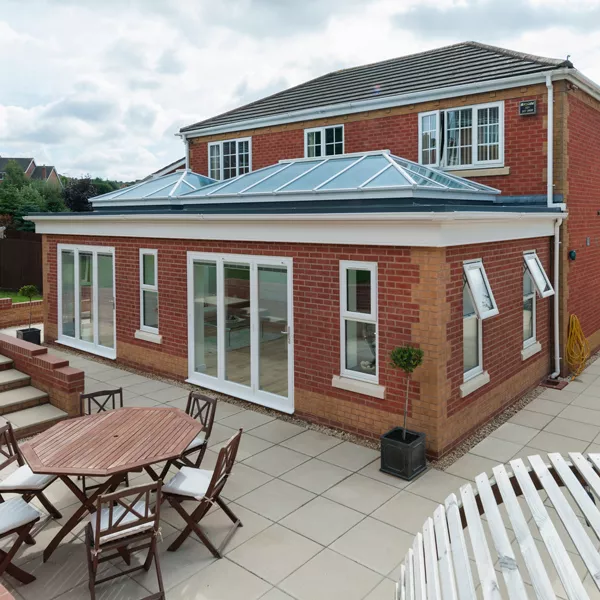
point(578, 349)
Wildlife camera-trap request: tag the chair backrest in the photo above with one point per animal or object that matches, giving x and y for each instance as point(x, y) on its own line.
point(225, 462)
point(203, 408)
point(128, 508)
point(97, 402)
point(9, 449)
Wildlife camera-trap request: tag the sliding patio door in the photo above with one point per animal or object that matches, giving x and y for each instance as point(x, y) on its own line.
point(240, 327)
point(86, 298)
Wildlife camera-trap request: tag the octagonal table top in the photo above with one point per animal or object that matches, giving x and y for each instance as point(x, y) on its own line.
point(111, 442)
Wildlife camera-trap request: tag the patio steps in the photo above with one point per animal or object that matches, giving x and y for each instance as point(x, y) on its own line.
point(25, 406)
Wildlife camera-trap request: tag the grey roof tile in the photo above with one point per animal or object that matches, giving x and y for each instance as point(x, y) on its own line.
point(458, 64)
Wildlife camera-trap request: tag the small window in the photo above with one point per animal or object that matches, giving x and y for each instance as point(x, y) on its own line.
point(534, 267)
point(429, 138)
point(472, 336)
point(1, 176)
point(481, 292)
point(324, 141)
point(529, 333)
point(358, 304)
point(149, 291)
point(229, 159)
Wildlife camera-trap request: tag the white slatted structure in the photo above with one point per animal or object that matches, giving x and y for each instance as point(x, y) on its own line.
point(517, 546)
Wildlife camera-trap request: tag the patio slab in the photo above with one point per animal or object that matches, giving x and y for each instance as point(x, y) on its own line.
point(316, 475)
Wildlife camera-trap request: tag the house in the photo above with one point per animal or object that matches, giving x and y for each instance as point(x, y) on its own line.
point(445, 199)
point(170, 168)
point(46, 173)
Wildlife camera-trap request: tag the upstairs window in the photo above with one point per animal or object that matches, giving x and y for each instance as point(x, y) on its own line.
point(462, 137)
point(149, 291)
point(324, 141)
point(229, 158)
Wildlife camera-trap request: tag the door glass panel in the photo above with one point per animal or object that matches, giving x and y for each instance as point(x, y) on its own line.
point(106, 301)
point(237, 322)
point(68, 293)
point(205, 318)
point(273, 336)
point(86, 297)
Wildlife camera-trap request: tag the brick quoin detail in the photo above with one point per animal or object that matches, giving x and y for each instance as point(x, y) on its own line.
point(420, 302)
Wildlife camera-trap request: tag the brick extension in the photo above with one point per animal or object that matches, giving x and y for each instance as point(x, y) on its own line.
point(48, 372)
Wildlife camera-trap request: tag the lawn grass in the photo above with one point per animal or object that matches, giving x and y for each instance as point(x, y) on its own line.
point(16, 297)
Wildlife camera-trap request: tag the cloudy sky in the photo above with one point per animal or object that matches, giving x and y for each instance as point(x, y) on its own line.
point(102, 86)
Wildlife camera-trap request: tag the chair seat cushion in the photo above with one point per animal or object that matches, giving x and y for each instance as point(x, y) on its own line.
point(189, 482)
point(139, 507)
point(198, 441)
point(16, 513)
point(25, 479)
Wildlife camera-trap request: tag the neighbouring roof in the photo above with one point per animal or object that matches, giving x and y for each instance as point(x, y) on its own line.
point(459, 64)
point(23, 162)
point(175, 165)
point(158, 188)
point(38, 172)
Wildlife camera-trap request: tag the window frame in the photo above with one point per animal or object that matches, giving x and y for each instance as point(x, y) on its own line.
point(442, 161)
point(477, 370)
point(347, 315)
point(144, 287)
point(532, 255)
point(477, 264)
point(322, 130)
point(533, 339)
point(219, 144)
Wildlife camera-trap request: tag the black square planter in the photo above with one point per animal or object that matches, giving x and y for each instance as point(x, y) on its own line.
point(32, 335)
point(403, 458)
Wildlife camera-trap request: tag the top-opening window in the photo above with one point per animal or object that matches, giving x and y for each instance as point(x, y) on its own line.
point(533, 264)
point(324, 141)
point(481, 292)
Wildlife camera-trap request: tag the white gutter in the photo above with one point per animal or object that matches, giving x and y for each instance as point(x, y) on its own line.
point(376, 103)
point(557, 225)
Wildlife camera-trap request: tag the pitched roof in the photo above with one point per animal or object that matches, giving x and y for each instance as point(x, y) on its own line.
point(458, 64)
point(23, 162)
point(175, 165)
point(38, 172)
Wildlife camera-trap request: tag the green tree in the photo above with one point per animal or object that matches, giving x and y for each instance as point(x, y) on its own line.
point(15, 176)
point(406, 358)
point(77, 192)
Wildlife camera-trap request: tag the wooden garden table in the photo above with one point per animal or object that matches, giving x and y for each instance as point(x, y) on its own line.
point(108, 444)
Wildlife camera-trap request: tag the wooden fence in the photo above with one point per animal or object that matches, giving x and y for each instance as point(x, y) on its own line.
point(20, 260)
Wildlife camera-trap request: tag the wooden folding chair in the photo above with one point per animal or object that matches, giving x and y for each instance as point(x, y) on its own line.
point(94, 403)
point(206, 487)
point(203, 408)
point(16, 517)
point(125, 522)
point(23, 480)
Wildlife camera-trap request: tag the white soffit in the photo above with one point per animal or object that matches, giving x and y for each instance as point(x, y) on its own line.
point(380, 229)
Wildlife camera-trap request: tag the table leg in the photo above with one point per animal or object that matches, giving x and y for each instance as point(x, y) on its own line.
point(155, 476)
point(87, 506)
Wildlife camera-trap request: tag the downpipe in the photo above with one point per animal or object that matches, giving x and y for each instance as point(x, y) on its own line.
point(557, 225)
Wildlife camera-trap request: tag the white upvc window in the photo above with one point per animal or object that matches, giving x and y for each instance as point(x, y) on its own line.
point(541, 281)
point(358, 322)
point(529, 328)
point(473, 136)
point(324, 141)
point(478, 304)
point(149, 290)
point(229, 158)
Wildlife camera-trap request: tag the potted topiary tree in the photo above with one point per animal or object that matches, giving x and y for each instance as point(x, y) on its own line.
point(31, 334)
point(402, 450)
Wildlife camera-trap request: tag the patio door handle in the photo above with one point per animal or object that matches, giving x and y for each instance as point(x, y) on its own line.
point(286, 331)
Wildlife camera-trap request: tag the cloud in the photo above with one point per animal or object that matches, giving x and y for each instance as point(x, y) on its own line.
point(92, 110)
point(169, 63)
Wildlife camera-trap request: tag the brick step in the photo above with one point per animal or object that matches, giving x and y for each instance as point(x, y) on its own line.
point(11, 379)
point(20, 399)
point(5, 363)
point(33, 420)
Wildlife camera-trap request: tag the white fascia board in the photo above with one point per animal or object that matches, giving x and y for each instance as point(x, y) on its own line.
point(348, 108)
point(381, 229)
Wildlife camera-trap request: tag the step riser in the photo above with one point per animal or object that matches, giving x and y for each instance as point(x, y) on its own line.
point(36, 428)
point(13, 385)
point(6, 410)
point(6, 366)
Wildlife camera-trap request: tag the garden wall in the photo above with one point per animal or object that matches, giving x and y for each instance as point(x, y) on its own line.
point(17, 313)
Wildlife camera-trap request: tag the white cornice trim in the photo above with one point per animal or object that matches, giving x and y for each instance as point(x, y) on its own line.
point(378, 103)
point(375, 229)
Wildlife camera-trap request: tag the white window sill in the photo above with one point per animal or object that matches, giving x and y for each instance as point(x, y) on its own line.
point(473, 384)
point(146, 336)
point(531, 350)
point(360, 387)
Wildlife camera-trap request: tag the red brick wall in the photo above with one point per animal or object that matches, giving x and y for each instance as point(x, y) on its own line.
point(502, 334)
point(17, 313)
point(583, 198)
point(524, 150)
